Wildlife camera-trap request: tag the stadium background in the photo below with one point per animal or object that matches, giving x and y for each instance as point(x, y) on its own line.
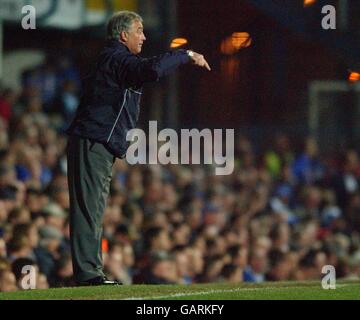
point(292, 204)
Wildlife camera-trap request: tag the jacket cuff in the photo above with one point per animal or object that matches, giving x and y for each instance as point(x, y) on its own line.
point(185, 57)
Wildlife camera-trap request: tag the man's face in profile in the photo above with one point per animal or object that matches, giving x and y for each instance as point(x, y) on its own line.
point(135, 37)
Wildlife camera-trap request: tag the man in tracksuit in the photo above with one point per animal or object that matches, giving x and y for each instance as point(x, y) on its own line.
point(108, 109)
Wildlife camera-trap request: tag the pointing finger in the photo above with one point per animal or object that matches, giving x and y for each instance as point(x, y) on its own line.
point(207, 66)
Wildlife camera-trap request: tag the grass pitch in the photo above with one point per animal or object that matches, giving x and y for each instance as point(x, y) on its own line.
point(345, 290)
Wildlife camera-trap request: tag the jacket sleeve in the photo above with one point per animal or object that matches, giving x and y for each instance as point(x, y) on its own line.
point(135, 70)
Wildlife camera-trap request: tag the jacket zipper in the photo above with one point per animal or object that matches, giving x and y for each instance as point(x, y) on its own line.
point(117, 118)
point(138, 92)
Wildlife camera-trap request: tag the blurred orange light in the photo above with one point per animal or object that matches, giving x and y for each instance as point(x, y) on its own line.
point(354, 76)
point(105, 245)
point(237, 41)
point(309, 2)
point(241, 40)
point(178, 42)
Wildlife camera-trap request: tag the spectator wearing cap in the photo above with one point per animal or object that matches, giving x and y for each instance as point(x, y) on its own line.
point(49, 249)
point(54, 215)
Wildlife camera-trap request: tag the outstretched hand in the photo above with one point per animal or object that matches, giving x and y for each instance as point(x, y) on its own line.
point(199, 60)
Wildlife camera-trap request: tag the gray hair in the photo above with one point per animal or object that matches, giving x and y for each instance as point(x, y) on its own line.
point(119, 22)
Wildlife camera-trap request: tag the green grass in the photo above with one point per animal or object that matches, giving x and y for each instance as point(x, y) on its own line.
point(345, 290)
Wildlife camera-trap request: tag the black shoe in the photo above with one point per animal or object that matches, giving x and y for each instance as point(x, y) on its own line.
point(99, 281)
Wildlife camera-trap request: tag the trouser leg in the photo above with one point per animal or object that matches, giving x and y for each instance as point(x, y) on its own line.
point(89, 178)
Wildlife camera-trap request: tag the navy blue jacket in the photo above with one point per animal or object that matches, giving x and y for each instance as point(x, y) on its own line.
point(110, 103)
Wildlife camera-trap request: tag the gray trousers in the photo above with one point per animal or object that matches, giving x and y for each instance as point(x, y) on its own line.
point(89, 177)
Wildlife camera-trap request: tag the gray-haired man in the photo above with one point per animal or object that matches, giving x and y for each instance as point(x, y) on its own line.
point(108, 109)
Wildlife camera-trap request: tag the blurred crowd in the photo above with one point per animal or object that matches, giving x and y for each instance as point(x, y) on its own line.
point(284, 213)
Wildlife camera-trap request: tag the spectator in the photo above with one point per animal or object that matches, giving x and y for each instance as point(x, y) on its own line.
point(231, 274)
point(19, 215)
point(280, 268)
point(114, 265)
point(258, 267)
point(7, 281)
point(49, 250)
point(128, 260)
point(213, 268)
point(196, 264)
point(280, 156)
point(182, 260)
point(63, 273)
point(54, 215)
point(307, 168)
point(162, 269)
point(67, 102)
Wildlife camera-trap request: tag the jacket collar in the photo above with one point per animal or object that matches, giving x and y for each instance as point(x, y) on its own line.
point(116, 45)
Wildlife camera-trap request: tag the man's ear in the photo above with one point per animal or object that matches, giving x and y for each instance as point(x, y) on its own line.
point(123, 36)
